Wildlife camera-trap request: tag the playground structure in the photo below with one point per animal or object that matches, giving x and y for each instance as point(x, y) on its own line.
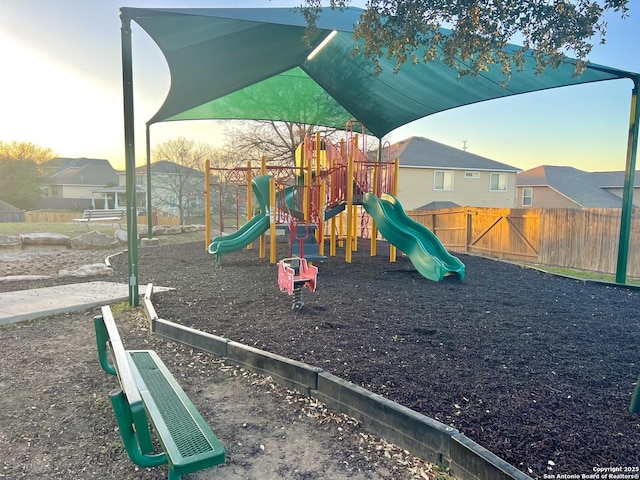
point(335, 193)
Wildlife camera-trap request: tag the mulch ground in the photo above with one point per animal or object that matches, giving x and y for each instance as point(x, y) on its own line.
point(536, 368)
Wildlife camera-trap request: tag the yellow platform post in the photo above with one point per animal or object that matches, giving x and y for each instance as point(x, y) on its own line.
point(374, 230)
point(396, 171)
point(349, 242)
point(272, 220)
point(249, 197)
point(322, 207)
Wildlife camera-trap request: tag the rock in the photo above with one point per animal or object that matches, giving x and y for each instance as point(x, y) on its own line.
point(87, 271)
point(164, 230)
point(45, 239)
point(121, 236)
point(92, 240)
point(24, 278)
point(10, 242)
point(189, 228)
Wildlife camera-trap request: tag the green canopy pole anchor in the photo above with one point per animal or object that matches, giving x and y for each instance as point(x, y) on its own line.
point(629, 182)
point(130, 159)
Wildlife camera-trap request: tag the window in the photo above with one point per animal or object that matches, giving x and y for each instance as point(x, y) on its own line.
point(527, 197)
point(498, 182)
point(442, 180)
point(471, 174)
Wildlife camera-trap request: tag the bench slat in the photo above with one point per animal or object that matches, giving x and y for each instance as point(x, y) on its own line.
point(154, 396)
point(127, 381)
point(104, 215)
point(185, 435)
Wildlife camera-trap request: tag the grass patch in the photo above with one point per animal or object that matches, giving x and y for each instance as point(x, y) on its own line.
point(73, 229)
point(582, 274)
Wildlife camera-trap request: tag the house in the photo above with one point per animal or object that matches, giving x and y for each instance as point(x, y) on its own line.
point(69, 181)
point(550, 186)
point(432, 173)
point(176, 190)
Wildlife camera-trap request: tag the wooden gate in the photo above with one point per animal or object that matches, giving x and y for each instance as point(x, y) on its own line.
point(504, 233)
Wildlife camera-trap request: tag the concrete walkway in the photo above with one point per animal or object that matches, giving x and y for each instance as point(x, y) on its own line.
point(40, 302)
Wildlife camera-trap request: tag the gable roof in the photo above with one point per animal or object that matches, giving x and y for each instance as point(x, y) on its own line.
point(422, 152)
point(80, 171)
point(167, 167)
point(244, 63)
point(438, 205)
point(588, 189)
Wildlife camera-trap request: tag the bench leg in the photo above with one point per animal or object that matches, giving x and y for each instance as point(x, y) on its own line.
point(125, 421)
point(102, 337)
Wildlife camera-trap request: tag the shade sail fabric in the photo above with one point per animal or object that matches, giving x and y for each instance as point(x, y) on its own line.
point(251, 63)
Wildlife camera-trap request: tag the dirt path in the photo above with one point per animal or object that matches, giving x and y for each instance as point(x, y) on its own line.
point(57, 421)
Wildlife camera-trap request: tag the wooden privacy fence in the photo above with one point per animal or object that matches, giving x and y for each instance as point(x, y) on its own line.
point(53, 216)
point(584, 239)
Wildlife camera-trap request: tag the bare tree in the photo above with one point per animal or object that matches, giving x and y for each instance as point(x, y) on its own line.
point(177, 176)
point(276, 140)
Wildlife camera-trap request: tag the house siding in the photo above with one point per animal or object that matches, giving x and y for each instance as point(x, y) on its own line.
point(79, 191)
point(546, 197)
point(415, 189)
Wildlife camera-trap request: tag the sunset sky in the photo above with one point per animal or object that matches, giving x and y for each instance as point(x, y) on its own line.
point(61, 88)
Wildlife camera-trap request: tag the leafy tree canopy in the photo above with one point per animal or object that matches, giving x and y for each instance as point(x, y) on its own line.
point(25, 151)
point(409, 30)
point(20, 175)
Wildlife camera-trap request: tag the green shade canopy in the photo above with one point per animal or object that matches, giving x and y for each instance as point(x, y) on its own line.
point(234, 63)
point(239, 63)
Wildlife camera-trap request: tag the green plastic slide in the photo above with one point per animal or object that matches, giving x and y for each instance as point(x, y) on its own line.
point(423, 248)
point(251, 230)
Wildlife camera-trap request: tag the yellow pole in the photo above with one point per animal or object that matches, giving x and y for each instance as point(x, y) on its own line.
point(272, 220)
point(349, 242)
point(207, 205)
point(354, 235)
point(317, 154)
point(374, 230)
point(307, 189)
point(341, 214)
point(322, 208)
point(263, 240)
point(332, 236)
point(249, 198)
point(396, 171)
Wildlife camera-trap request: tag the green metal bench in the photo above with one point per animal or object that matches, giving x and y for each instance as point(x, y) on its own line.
point(149, 394)
point(101, 215)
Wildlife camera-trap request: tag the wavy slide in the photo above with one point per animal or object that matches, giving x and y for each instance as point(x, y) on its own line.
point(423, 248)
point(251, 230)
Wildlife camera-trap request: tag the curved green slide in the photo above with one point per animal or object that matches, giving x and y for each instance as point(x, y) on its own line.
point(251, 230)
point(423, 248)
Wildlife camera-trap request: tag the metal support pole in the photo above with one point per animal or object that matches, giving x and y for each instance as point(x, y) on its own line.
point(149, 219)
point(130, 159)
point(629, 184)
point(207, 205)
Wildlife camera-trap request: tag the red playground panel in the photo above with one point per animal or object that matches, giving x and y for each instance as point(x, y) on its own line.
point(294, 273)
